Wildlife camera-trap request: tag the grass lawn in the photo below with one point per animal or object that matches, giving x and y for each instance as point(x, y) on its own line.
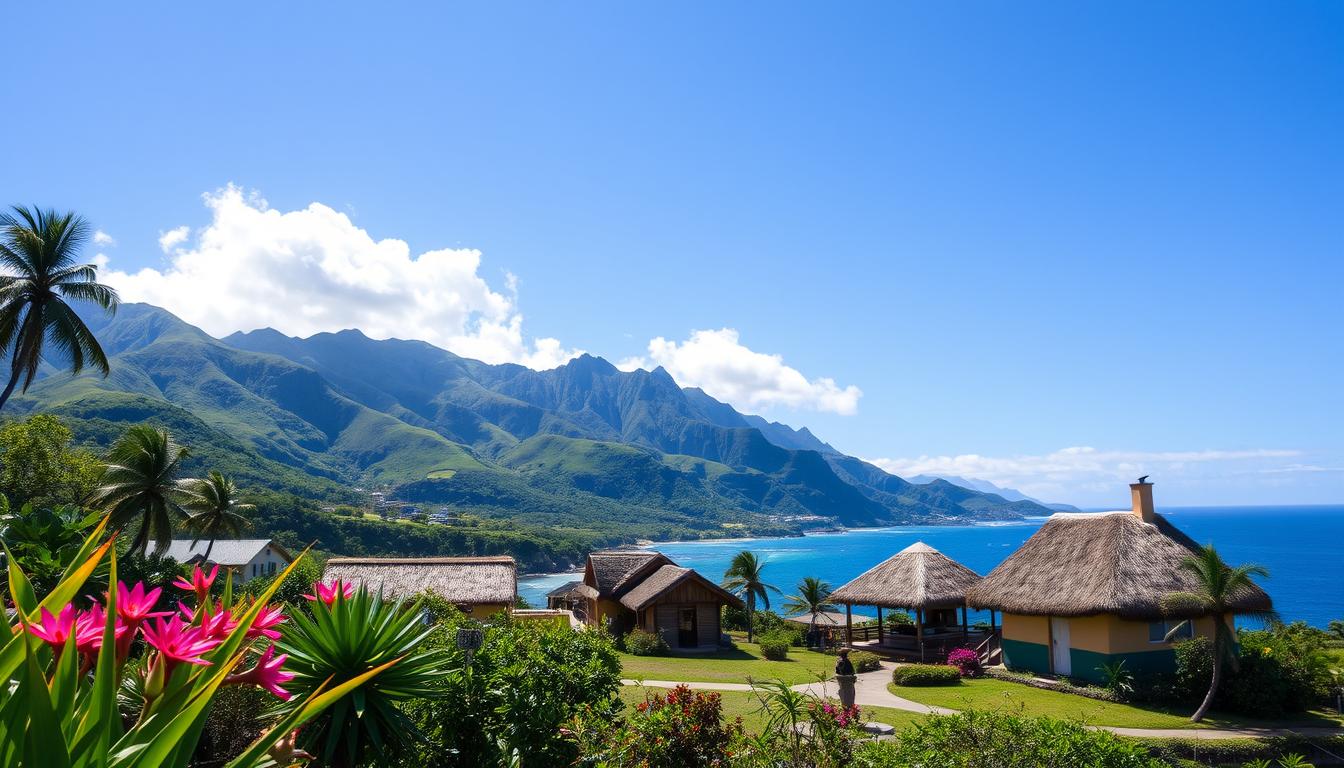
point(730, 665)
point(987, 693)
point(745, 705)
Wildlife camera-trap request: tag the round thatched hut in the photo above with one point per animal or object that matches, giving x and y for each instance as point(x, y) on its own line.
point(921, 579)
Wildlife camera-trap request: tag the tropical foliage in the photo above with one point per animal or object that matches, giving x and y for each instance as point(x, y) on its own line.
point(347, 632)
point(744, 579)
point(38, 465)
point(69, 666)
point(39, 250)
point(1219, 584)
point(214, 509)
point(141, 485)
point(813, 598)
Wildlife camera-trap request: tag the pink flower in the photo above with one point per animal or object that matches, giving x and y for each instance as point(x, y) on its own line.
point(215, 625)
point(266, 674)
point(55, 630)
point(134, 605)
point(89, 627)
point(267, 619)
point(327, 592)
point(178, 641)
point(200, 583)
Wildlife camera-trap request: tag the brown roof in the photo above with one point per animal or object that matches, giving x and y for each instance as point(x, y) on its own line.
point(666, 579)
point(824, 619)
point(1094, 563)
point(614, 572)
point(918, 576)
point(569, 587)
point(470, 580)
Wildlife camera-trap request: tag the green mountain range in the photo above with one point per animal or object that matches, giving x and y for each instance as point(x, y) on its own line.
point(584, 449)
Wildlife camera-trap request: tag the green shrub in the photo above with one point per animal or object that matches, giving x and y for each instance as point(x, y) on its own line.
point(641, 643)
point(775, 646)
point(679, 729)
point(977, 739)
point(1280, 670)
point(865, 661)
point(926, 674)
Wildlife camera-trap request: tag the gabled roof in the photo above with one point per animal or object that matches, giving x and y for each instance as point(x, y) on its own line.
point(667, 578)
point(469, 580)
point(917, 577)
point(567, 588)
point(1087, 564)
point(614, 572)
point(228, 552)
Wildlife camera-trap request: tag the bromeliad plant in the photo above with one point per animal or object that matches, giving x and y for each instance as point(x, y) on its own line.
point(65, 666)
point(345, 632)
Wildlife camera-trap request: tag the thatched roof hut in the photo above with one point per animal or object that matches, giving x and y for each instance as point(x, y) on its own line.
point(918, 577)
point(611, 573)
point(460, 580)
point(668, 578)
point(1084, 564)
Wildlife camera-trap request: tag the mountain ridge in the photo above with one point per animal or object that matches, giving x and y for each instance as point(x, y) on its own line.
point(582, 447)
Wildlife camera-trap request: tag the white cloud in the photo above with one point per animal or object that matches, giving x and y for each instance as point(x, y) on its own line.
point(1068, 473)
point(103, 239)
point(312, 270)
point(173, 237)
point(717, 362)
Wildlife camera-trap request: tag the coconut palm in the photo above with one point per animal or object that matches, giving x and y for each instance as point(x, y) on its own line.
point(743, 578)
point(141, 483)
point(813, 598)
point(1218, 586)
point(214, 510)
point(38, 251)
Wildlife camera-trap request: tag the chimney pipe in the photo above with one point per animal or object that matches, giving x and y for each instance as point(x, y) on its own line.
point(1143, 501)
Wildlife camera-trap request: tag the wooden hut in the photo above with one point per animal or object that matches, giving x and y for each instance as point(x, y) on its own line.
point(920, 579)
point(479, 586)
point(1088, 589)
point(627, 589)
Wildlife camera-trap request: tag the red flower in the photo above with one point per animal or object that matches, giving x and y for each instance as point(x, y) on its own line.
point(327, 592)
point(200, 583)
point(266, 674)
point(178, 641)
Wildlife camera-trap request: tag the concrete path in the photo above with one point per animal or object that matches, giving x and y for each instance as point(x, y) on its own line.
point(870, 690)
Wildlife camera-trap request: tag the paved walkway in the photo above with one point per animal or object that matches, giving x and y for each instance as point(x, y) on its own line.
point(870, 690)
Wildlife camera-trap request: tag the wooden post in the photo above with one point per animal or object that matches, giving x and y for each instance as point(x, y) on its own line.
point(965, 630)
point(879, 626)
point(919, 631)
point(849, 625)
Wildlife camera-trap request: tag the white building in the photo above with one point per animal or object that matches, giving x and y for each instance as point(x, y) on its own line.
point(247, 558)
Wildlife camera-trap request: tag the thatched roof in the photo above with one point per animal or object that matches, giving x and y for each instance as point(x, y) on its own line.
point(462, 580)
point(1086, 564)
point(824, 619)
point(917, 577)
point(614, 572)
point(568, 588)
point(667, 578)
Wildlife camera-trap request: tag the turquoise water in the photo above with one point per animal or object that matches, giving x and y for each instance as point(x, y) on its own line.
point(1303, 548)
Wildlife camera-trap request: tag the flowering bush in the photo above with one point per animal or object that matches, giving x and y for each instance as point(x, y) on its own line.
point(966, 661)
point(682, 729)
point(65, 667)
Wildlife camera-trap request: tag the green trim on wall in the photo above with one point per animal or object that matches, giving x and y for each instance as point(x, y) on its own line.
point(1087, 664)
point(1024, 656)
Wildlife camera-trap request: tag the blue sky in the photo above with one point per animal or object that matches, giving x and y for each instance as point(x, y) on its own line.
point(1050, 245)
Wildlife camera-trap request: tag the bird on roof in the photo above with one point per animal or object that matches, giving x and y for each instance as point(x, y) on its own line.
point(1143, 480)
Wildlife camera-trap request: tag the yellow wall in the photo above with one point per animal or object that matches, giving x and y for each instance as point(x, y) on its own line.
point(1028, 629)
point(1101, 634)
point(486, 610)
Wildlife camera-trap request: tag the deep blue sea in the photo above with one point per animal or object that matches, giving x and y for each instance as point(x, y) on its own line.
point(1303, 548)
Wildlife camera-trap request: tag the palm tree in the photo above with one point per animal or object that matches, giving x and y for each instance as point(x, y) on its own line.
point(1218, 586)
point(141, 482)
point(38, 249)
point(813, 598)
point(214, 509)
point(743, 578)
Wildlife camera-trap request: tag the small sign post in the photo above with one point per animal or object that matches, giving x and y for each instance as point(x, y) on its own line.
point(470, 640)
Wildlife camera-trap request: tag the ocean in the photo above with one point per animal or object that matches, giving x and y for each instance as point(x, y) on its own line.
point(1303, 548)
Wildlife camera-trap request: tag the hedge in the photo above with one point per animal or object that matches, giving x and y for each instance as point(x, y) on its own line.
point(775, 646)
point(926, 674)
point(641, 643)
